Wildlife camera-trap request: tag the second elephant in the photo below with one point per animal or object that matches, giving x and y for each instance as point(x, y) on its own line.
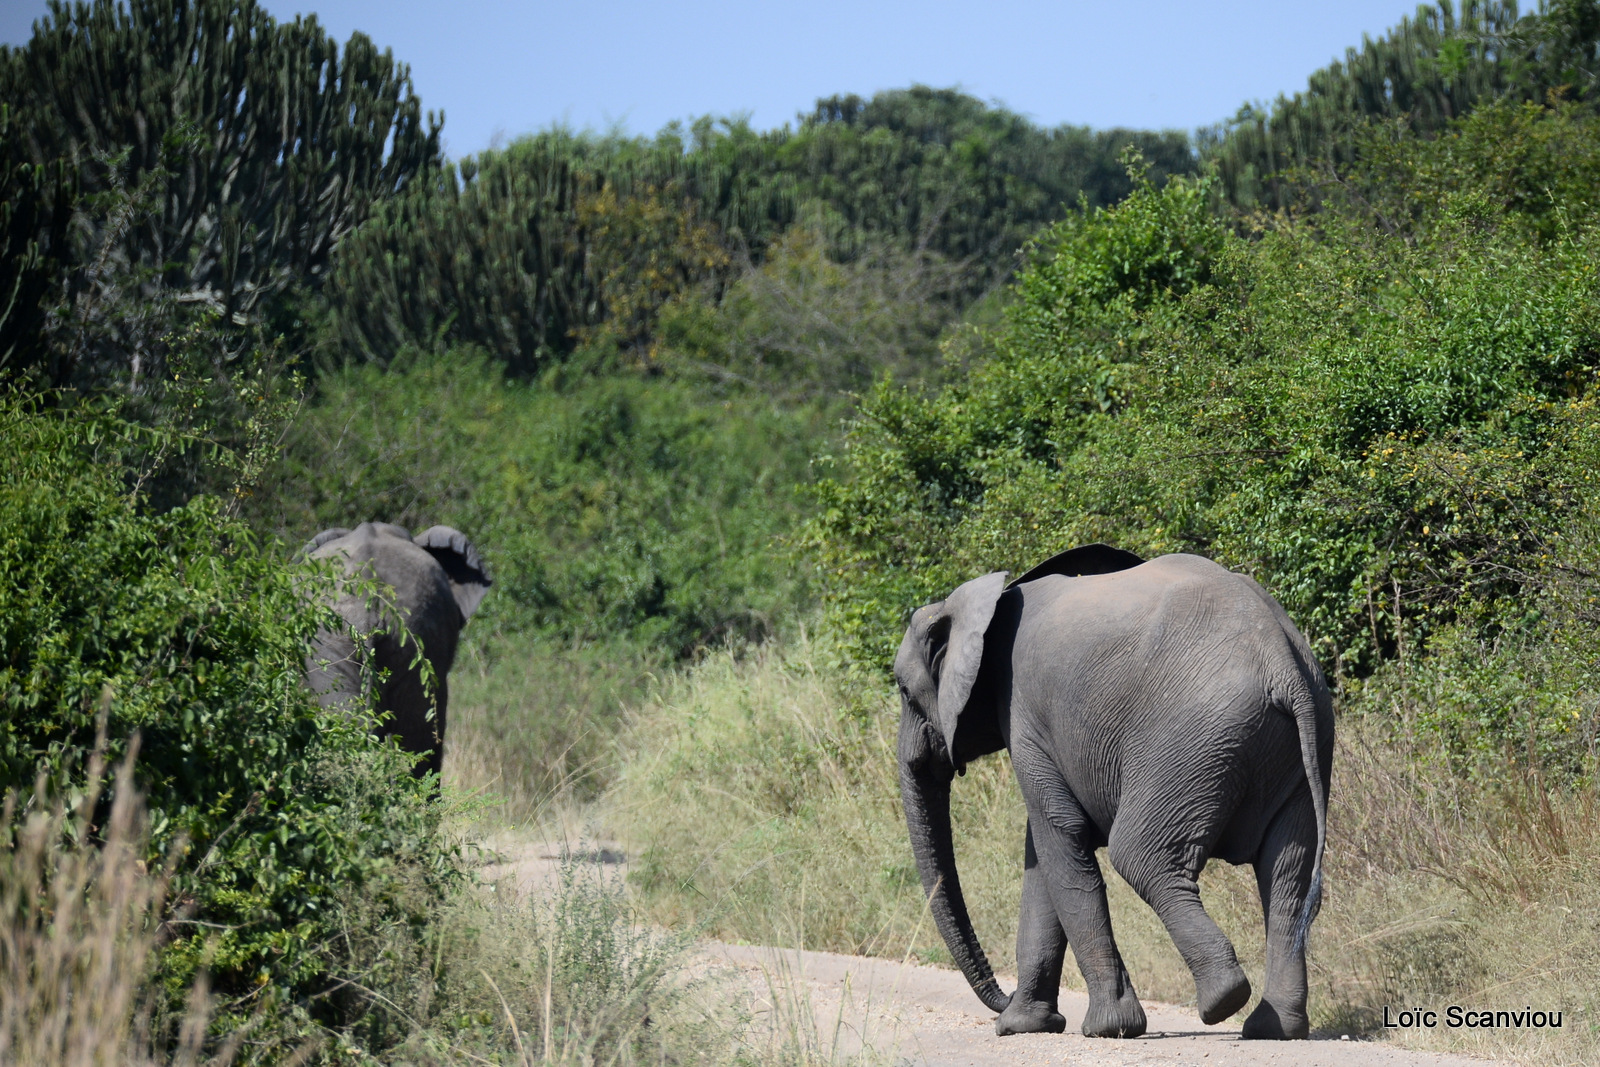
point(421, 589)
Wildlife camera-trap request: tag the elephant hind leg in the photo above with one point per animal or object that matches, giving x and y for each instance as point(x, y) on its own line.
point(1166, 874)
point(418, 717)
point(1283, 875)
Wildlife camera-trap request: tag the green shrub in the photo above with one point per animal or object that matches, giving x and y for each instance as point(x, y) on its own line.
point(610, 505)
point(178, 628)
point(1363, 417)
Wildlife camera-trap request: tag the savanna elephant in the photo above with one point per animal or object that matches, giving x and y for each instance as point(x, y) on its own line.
point(434, 582)
point(1168, 711)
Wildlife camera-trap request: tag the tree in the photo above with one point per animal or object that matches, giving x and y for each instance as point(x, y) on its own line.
point(219, 156)
point(35, 205)
point(518, 250)
point(1432, 68)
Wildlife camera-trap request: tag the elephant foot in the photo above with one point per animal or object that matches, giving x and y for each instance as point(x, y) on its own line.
point(1220, 996)
point(1029, 1017)
point(1123, 1017)
point(1268, 1023)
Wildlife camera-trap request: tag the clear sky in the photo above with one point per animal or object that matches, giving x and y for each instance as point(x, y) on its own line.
point(500, 68)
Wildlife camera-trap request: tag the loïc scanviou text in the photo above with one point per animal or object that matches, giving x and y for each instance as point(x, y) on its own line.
point(1457, 1017)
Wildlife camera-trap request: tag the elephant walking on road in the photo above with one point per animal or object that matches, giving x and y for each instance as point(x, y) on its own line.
point(437, 581)
point(1168, 711)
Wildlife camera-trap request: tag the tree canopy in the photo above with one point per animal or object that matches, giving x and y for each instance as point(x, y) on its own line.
point(173, 156)
point(1434, 67)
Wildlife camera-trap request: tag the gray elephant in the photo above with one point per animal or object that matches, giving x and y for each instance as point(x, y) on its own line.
point(434, 582)
point(1168, 711)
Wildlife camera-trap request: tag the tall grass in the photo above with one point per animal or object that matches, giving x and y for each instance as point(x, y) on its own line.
point(1449, 891)
point(534, 721)
point(759, 793)
point(82, 915)
point(573, 975)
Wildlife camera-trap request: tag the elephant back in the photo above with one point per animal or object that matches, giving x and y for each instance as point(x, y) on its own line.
point(417, 587)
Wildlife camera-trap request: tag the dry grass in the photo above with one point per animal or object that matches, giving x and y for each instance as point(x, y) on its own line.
point(77, 951)
point(571, 973)
point(761, 811)
point(533, 725)
point(1484, 895)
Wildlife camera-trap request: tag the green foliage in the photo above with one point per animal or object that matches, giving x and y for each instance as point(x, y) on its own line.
point(613, 505)
point(244, 149)
point(1376, 421)
point(1429, 71)
point(893, 530)
point(804, 326)
point(177, 628)
point(528, 251)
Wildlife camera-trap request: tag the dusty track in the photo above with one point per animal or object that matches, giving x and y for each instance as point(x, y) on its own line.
point(925, 1015)
point(894, 1012)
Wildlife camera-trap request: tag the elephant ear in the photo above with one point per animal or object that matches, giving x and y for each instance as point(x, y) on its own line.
point(969, 610)
point(323, 538)
point(469, 578)
point(1085, 559)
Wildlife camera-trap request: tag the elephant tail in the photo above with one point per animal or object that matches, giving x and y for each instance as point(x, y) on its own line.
point(1307, 707)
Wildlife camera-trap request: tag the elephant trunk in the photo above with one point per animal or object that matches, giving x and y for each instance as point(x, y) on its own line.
point(926, 799)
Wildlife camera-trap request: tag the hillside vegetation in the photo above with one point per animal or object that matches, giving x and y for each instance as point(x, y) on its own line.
point(720, 406)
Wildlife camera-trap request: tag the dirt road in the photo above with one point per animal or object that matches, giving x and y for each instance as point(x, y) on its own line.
point(925, 1015)
point(894, 1012)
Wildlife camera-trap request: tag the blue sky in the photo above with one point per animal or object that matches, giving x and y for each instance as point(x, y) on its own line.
point(500, 68)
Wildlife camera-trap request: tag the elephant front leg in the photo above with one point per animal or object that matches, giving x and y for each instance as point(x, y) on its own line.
point(1283, 874)
point(1041, 950)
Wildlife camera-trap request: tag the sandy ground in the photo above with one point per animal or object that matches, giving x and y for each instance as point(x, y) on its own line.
point(893, 1012)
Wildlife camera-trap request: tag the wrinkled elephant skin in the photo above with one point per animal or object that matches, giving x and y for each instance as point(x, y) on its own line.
point(1167, 711)
point(416, 590)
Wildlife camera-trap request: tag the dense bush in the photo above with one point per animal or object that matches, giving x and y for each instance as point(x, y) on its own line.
point(1387, 424)
point(609, 504)
point(178, 628)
